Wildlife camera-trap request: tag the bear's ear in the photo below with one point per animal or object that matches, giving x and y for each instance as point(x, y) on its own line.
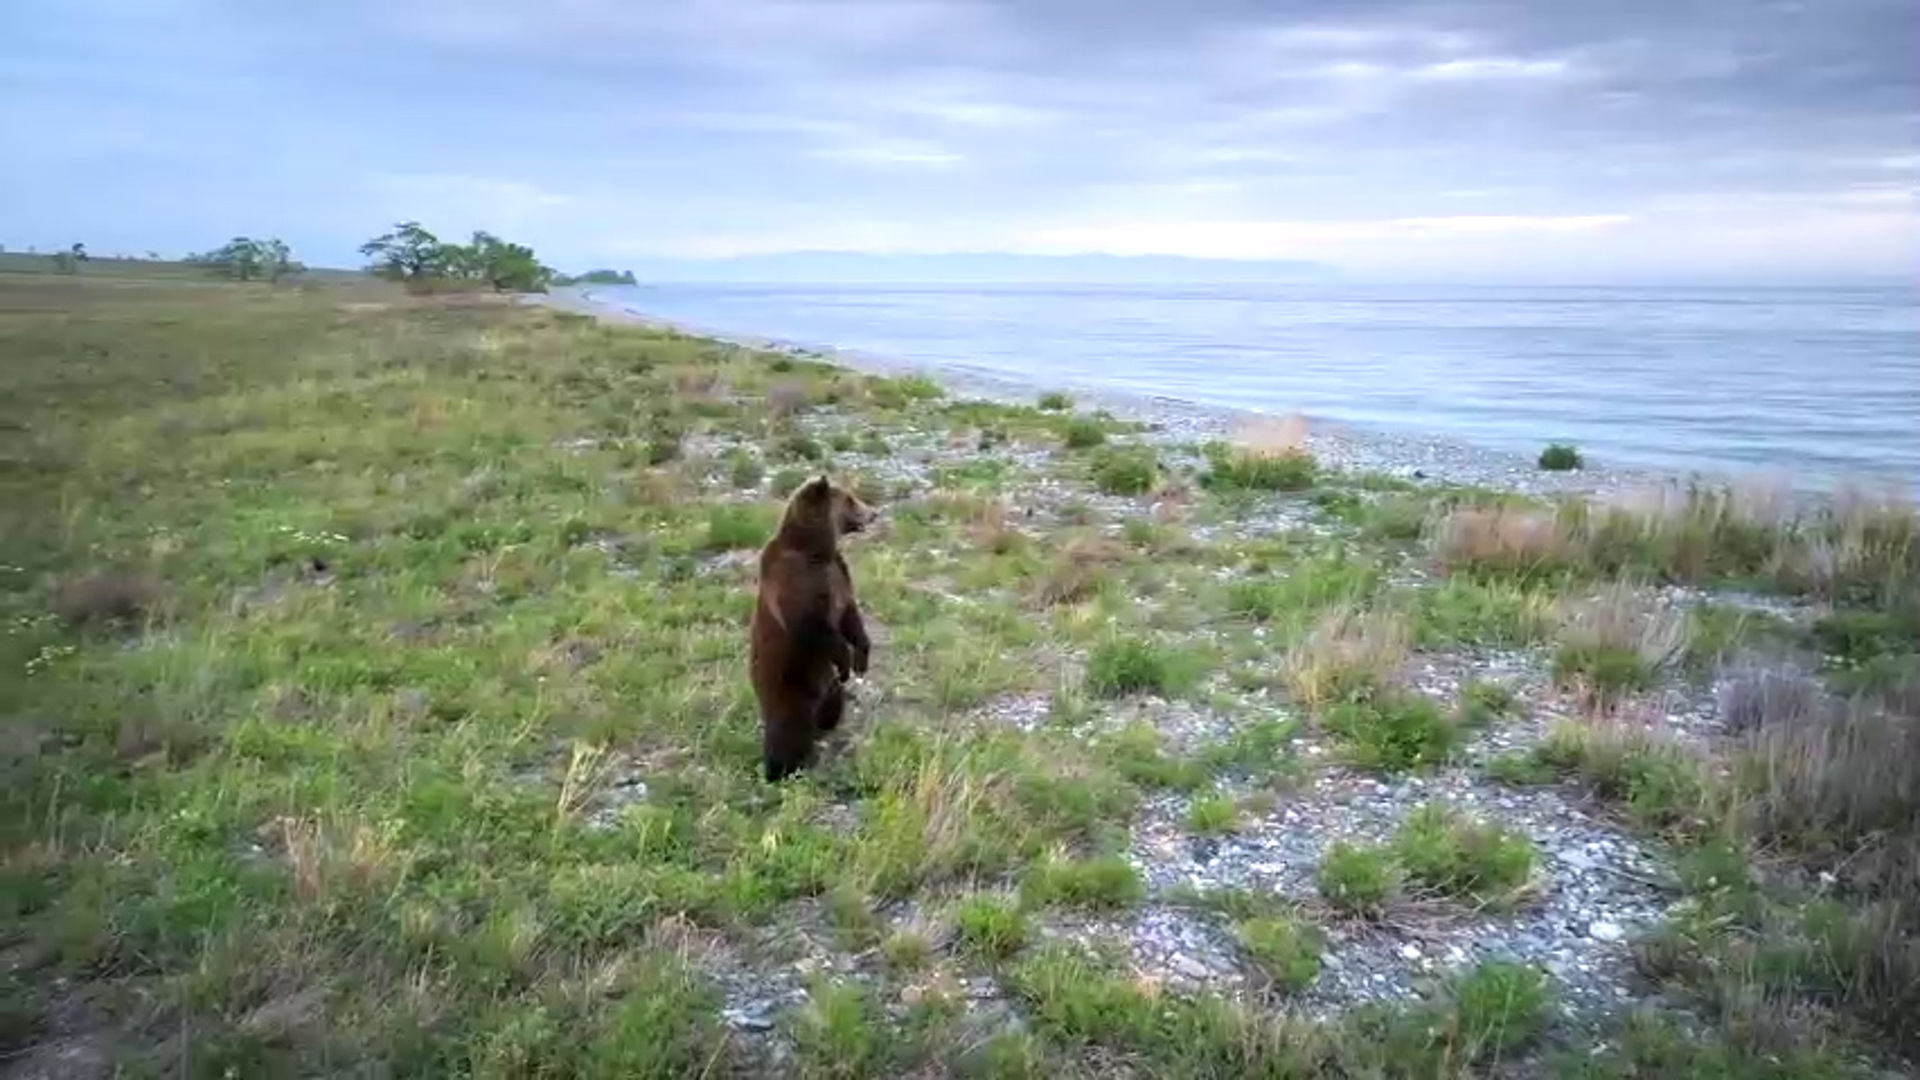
point(816, 488)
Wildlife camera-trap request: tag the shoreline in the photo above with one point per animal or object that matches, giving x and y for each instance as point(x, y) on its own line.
point(1417, 457)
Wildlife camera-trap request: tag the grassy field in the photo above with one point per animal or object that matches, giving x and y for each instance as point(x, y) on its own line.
point(375, 703)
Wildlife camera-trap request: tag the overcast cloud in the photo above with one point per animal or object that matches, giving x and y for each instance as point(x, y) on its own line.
point(1417, 140)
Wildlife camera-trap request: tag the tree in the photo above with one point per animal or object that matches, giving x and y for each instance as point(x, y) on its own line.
point(506, 266)
point(407, 253)
point(246, 259)
point(78, 251)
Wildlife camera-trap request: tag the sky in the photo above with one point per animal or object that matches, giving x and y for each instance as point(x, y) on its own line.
point(1422, 140)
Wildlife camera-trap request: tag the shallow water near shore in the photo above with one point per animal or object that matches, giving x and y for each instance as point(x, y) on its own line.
point(1814, 386)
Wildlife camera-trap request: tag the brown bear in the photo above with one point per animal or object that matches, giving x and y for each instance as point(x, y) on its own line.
point(807, 636)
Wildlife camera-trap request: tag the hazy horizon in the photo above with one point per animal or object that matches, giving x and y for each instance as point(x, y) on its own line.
point(1489, 141)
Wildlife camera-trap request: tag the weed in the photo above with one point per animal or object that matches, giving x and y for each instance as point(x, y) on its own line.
point(800, 447)
point(745, 471)
point(1138, 754)
point(1082, 568)
point(839, 1033)
point(1614, 645)
point(1055, 401)
point(1518, 768)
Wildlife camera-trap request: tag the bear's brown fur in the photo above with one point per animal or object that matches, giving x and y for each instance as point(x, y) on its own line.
point(807, 636)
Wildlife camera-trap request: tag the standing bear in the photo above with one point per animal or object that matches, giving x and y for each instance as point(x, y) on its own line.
point(807, 637)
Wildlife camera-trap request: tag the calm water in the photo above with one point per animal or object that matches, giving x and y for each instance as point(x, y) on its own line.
point(1815, 383)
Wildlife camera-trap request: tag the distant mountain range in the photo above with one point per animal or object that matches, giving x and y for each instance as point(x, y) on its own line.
point(811, 267)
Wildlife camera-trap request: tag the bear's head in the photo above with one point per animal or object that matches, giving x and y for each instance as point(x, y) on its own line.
point(824, 510)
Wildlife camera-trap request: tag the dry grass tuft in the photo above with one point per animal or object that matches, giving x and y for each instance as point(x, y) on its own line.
point(1508, 539)
point(1267, 437)
point(1085, 563)
point(1348, 653)
point(989, 529)
point(1840, 784)
point(1617, 642)
point(786, 398)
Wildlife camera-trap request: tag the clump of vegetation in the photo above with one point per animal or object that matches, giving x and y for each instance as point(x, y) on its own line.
point(1252, 470)
point(1358, 880)
point(1483, 702)
point(1561, 457)
point(1303, 589)
point(1393, 731)
point(1615, 644)
point(1659, 783)
point(1213, 815)
point(1125, 470)
point(1348, 656)
point(743, 525)
point(1103, 881)
point(989, 927)
point(1055, 401)
point(1083, 567)
point(1122, 665)
point(1456, 856)
point(1285, 950)
point(1083, 433)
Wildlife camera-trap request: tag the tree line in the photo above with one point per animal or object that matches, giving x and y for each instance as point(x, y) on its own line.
point(407, 253)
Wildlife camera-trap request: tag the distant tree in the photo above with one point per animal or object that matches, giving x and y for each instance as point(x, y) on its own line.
point(78, 251)
point(246, 259)
point(408, 252)
point(508, 267)
point(608, 277)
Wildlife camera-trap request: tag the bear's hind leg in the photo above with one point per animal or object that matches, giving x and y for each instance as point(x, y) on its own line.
point(786, 747)
point(832, 708)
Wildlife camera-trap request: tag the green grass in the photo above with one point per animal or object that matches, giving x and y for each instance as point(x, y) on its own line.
point(377, 704)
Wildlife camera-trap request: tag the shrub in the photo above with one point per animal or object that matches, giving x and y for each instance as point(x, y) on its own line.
point(802, 447)
point(1055, 401)
point(1125, 470)
point(1286, 951)
point(1560, 457)
point(1082, 568)
point(664, 446)
point(1083, 433)
point(1456, 856)
point(1358, 880)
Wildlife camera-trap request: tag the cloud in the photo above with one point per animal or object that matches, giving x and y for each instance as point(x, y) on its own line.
point(1622, 136)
